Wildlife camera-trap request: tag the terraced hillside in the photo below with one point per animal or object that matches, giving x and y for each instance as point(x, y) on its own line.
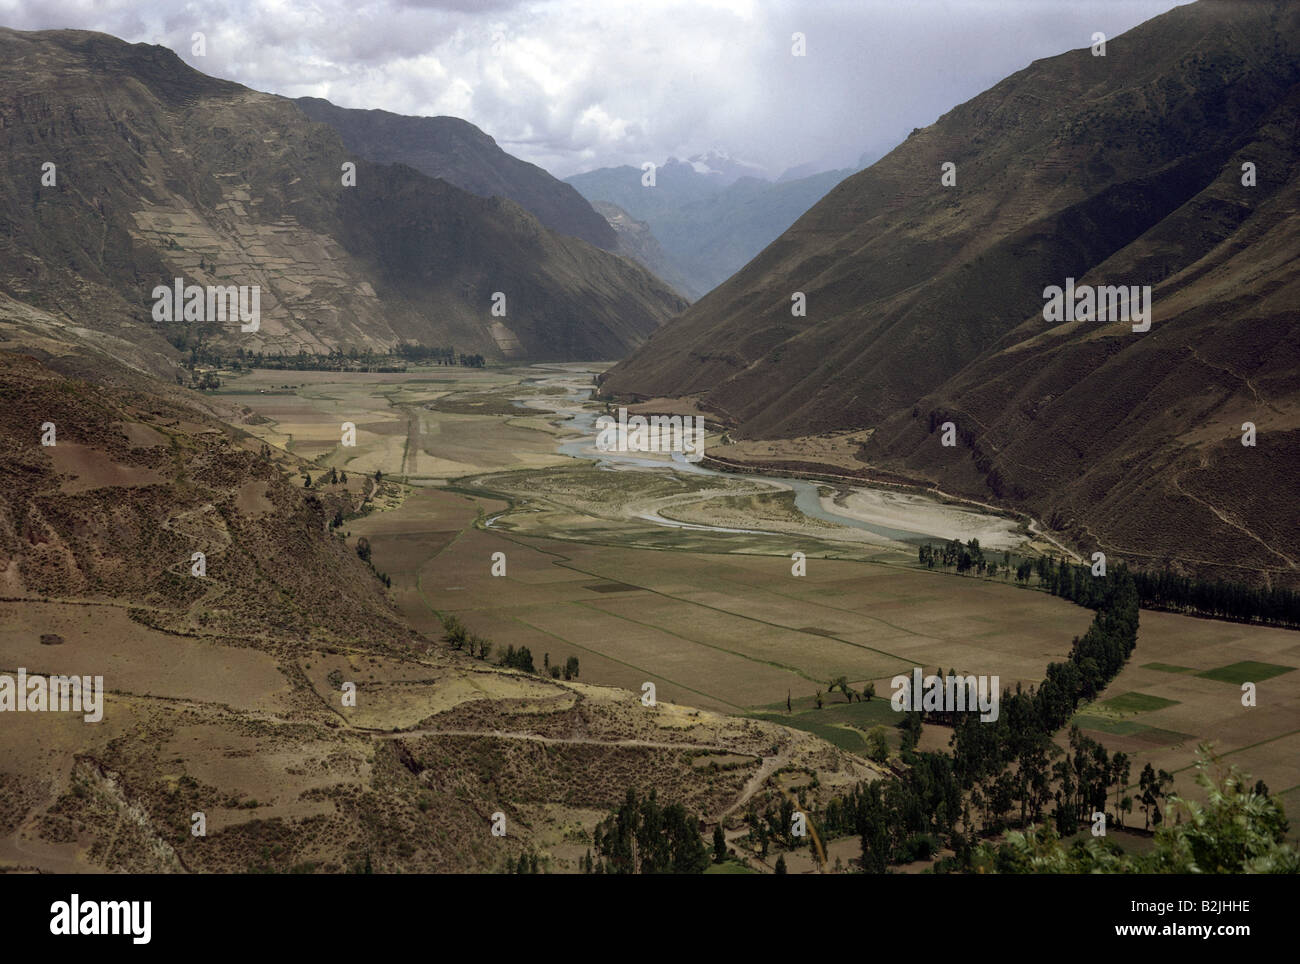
point(127, 169)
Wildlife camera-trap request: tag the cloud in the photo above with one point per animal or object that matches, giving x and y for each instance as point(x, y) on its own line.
point(575, 84)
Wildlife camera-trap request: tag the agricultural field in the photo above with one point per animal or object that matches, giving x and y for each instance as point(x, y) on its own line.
point(711, 614)
point(1183, 686)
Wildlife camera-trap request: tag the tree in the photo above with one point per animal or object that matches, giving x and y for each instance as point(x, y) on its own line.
point(719, 845)
point(571, 668)
point(780, 864)
point(877, 745)
point(1119, 773)
point(869, 691)
point(1236, 831)
point(455, 632)
point(641, 837)
point(1152, 787)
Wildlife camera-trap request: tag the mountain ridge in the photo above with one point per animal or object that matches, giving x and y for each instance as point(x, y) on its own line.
point(461, 154)
point(162, 172)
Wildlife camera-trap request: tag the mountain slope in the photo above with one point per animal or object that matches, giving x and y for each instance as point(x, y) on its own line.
point(461, 154)
point(637, 241)
point(709, 224)
point(163, 172)
point(925, 302)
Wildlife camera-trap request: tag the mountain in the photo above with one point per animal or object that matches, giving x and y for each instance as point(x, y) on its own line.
point(925, 303)
point(160, 172)
point(728, 169)
point(797, 172)
point(461, 154)
point(637, 241)
point(709, 221)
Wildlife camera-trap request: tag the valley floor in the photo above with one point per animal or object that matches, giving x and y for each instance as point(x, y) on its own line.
point(714, 618)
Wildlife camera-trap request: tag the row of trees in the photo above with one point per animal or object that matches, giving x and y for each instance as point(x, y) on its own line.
point(1165, 590)
point(459, 637)
point(423, 354)
point(569, 670)
point(1223, 600)
point(455, 633)
point(363, 553)
point(963, 558)
point(999, 766)
point(201, 351)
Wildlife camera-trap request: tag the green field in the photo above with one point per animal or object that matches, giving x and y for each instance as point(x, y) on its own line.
point(1247, 671)
point(1168, 668)
point(729, 867)
point(1136, 703)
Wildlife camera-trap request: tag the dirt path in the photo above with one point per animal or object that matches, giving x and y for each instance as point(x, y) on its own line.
point(560, 740)
point(755, 783)
point(1291, 564)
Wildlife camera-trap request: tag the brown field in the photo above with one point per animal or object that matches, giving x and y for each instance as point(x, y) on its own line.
point(1263, 740)
point(105, 641)
point(728, 632)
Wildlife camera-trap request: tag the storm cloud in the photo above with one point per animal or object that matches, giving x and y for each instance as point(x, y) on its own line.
point(577, 84)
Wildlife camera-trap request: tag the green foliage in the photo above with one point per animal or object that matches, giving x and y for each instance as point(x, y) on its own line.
point(1239, 830)
point(877, 745)
point(1275, 605)
point(641, 837)
point(519, 658)
point(719, 844)
point(454, 631)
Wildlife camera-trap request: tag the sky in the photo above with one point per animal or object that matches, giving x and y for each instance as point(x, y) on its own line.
point(574, 85)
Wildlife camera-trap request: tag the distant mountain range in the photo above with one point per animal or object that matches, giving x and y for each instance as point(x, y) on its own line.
point(925, 302)
point(126, 169)
point(708, 214)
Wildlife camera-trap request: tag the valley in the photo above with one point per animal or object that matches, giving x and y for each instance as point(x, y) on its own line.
point(337, 459)
point(654, 570)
